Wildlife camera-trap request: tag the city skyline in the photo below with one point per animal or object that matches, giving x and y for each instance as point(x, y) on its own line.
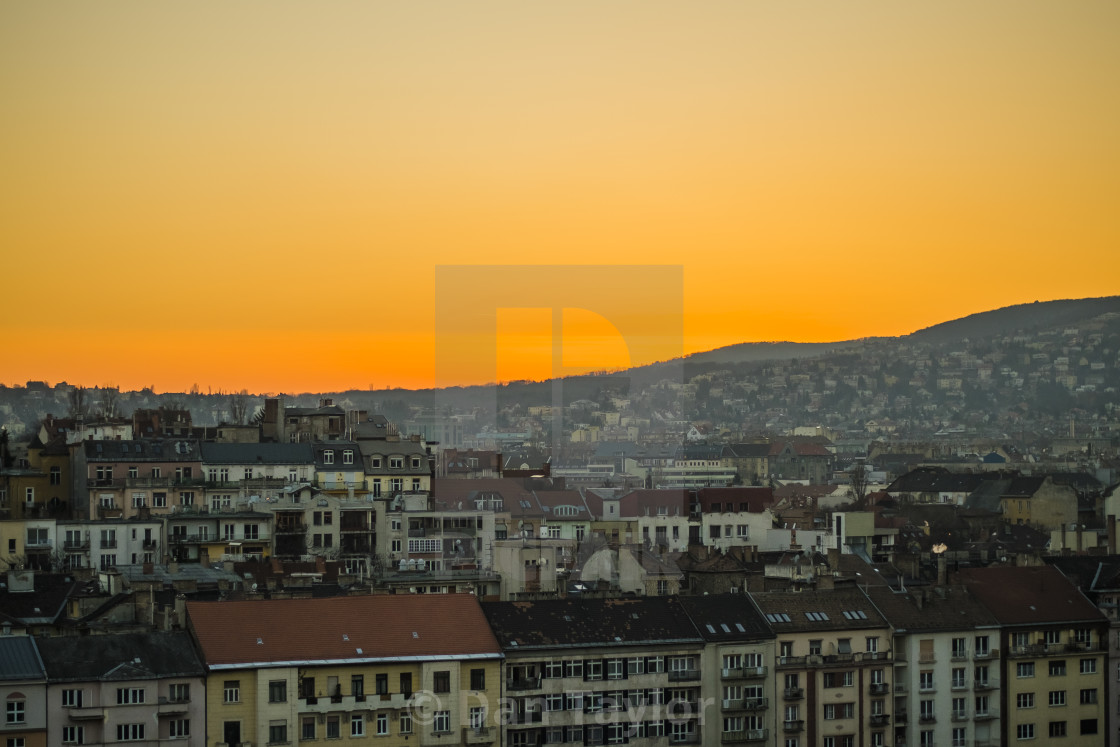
point(192, 190)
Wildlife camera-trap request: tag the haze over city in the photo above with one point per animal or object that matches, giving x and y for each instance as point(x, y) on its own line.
point(259, 195)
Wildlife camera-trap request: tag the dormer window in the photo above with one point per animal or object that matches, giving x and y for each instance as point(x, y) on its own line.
point(396, 462)
point(375, 462)
point(348, 456)
point(416, 462)
point(328, 456)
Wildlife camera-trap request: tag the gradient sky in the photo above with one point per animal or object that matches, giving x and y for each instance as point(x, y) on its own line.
point(258, 194)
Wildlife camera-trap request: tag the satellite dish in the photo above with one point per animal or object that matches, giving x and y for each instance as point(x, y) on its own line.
point(253, 587)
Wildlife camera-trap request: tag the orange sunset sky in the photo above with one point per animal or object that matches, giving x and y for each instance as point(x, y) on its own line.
point(258, 194)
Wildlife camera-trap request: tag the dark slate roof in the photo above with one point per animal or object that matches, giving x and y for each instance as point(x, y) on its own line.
point(168, 449)
point(987, 496)
point(126, 656)
point(1030, 595)
point(726, 617)
point(940, 608)
point(1024, 487)
point(1090, 573)
point(43, 606)
point(751, 450)
point(19, 659)
point(835, 609)
point(265, 453)
point(552, 623)
point(935, 480)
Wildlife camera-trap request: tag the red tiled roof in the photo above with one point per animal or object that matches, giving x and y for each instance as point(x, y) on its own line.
point(341, 628)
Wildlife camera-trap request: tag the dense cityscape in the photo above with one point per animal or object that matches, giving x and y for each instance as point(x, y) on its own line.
point(891, 542)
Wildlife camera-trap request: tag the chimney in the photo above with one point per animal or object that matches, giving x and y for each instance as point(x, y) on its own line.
point(834, 558)
point(941, 569)
point(1112, 534)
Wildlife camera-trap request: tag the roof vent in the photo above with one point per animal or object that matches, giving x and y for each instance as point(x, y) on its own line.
point(415, 634)
point(260, 641)
point(345, 637)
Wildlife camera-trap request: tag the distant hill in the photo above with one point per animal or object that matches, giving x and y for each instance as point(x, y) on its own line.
point(1022, 318)
point(753, 352)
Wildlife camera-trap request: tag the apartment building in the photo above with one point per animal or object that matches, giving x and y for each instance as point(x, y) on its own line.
point(386, 670)
point(833, 665)
point(135, 687)
point(1054, 655)
point(737, 666)
point(600, 671)
point(23, 690)
point(946, 666)
point(136, 478)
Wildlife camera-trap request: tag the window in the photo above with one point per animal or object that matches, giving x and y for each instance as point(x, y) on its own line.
point(358, 685)
point(1084, 636)
point(179, 728)
point(1024, 731)
point(593, 670)
point(159, 500)
point(129, 695)
point(925, 710)
point(1057, 728)
point(56, 475)
point(277, 733)
point(478, 679)
point(130, 732)
point(477, 717)
point(839, 710)
point(982, 645)
point(441, 682)
point(838, 679)
point(574, 668)
point(16, 742)
point(73, 735)
point(358, 724)
point(960, 650)
point(441, 724)
point(1058, 668)
point(873, 644)
point(959, 736)
point(1024, 700)
point(1052, 637)
point(404, 724)
point(1088, 726)
point(381, 683)
point(1089, 696)
point(328, 456)
point(1057, 697)
point(1024, 669)
point(334, 727)
point(179, 692)
point(252, 531)
point(616, 669)
point(959, 680)
point(396, 462)
point(307, 730)
point(406, 683)
point(416, 462)
point(231, 692)
point(348, 458)
point(71, 698)
point(277, 691)
point(1088, 666)
point(981, 705)
point(925, 680)
point(16, 711)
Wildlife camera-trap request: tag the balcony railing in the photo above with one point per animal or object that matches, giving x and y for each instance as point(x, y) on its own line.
point(745, 704)
point(793, 726)
point(523, 683)
point(880, 719)
point(879, 688)
point(746, 735)
point(734, 673)
point(683, 675)
point(794, 693)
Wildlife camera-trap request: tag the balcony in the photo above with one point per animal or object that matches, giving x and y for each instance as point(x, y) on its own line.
point(959, 716)
point(149, 544)
point(477, 735)
point(529, 717)
point(794, 693)
point(879, 688)
point(747, 735)
point(745, 704)
point(85, 714)
point(523, 683)
point(169, 707)
point(1031, 651)
point(334, 703)
point(792, 727)
point(900, 688)
point(927, 718)
point(72, 545)
point(792, 661)
point(1082, 646)
point(980, 685)
point(684, 675)
point(986, 715)
point(900, 716)
point(880, 719)
point(990, 653)
point(738, 673)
